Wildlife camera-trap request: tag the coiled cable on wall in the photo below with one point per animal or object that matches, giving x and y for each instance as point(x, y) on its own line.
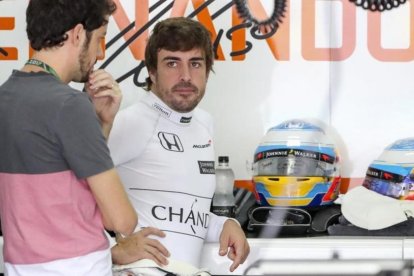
point(378, 5)
point(271, 22)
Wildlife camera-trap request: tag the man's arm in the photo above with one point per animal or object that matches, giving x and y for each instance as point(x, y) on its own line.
point(139, 246)
point(117, 212)
point(106, 97)
point(231, 237)
point(233, 243)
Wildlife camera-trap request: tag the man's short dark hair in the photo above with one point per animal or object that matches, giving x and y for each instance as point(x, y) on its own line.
point(177, 34)
point(49, 20)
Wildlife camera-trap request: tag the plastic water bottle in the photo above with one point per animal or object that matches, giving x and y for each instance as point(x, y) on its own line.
point(223, 200)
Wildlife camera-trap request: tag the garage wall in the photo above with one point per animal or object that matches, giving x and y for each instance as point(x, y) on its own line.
point(330, 62)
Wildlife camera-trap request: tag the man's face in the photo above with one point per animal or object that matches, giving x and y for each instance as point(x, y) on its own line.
point(180, 79)
point(90, 51)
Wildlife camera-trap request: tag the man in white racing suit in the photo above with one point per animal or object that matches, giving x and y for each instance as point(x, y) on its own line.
point(163, 149)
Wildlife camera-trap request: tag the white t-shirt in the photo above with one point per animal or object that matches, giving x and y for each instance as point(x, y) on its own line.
point(166, 162)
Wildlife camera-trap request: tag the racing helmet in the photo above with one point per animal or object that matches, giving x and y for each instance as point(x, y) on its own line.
point(296, 164)
point(392, 173)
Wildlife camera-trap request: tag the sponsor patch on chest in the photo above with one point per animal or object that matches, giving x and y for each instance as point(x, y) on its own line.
point(206, 167)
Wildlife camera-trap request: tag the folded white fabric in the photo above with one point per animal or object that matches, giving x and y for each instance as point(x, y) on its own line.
point(150, 268)
point(370, 210)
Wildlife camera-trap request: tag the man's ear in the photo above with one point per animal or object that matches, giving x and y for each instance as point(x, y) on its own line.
point(77, 34)
point(151, 74)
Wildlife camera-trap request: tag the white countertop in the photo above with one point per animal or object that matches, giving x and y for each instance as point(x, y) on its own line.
point(309, 248)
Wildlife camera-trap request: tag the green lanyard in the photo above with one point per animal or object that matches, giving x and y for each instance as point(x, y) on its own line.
point(43, 65)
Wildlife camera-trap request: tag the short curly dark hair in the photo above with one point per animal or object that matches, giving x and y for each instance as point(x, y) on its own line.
point(177, 34)
point(49, 20)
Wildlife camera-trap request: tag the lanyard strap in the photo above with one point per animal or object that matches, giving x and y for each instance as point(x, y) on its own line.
point(43, 65)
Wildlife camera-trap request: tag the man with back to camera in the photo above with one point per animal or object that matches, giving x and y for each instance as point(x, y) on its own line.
point(162, 147)
point(58, 186)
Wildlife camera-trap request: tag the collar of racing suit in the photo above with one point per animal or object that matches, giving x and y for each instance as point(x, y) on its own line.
point(158, 105)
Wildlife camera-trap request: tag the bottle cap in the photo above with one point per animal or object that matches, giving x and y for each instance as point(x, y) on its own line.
point(223, 159)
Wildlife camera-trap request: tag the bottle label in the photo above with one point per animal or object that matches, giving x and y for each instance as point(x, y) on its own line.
point(226, 211)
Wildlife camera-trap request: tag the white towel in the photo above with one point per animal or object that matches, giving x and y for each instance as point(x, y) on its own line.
point(150, 268)
point(370, 210)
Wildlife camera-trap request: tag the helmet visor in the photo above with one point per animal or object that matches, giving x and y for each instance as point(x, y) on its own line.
point(388, 183)
point(292, 162)
point(385, 187)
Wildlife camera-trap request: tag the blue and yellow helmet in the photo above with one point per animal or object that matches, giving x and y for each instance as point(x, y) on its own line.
point(392, 173)
point(296, 164)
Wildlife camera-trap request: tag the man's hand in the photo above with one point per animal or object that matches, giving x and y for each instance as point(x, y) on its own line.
point(233, 243)
point(106, 97)
point(139, 246)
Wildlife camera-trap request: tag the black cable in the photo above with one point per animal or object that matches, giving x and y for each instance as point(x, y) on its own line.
point(378, 5)
point(273, 21)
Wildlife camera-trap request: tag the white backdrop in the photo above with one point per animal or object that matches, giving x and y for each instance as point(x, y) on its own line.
point(349, 69)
